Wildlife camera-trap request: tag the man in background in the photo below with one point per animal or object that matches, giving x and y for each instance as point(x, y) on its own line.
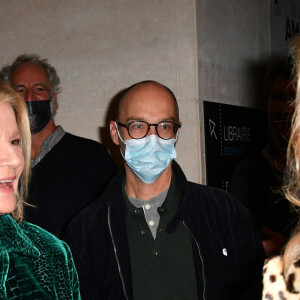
point(257, 181)
point(68, 172)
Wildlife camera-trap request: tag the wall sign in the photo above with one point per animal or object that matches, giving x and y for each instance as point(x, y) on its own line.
point(285, 24)
point(231, 133)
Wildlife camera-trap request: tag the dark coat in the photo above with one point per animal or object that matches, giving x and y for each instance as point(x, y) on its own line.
point(226, 249)
point(71, 176)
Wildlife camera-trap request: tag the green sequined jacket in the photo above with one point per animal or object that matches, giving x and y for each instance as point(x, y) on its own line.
point(34, 264)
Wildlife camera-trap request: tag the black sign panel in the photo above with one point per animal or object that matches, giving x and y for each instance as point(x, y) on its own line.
point(231, 133)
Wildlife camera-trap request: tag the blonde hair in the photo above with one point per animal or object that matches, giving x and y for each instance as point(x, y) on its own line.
point(292, 188)
point(18, 105)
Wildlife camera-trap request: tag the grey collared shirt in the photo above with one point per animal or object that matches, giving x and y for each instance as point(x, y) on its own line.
point(150, 209)
point(49, 142)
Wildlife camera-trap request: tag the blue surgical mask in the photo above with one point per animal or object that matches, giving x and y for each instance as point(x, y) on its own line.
point(149, 157)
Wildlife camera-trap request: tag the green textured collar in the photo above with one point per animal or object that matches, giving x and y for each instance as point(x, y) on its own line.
point(14, 239)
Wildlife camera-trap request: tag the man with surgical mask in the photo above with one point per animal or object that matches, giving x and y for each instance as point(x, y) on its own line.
point(68, 172)
point(153, 234)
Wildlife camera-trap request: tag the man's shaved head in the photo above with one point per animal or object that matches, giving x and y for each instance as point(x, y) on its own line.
point(143, 84)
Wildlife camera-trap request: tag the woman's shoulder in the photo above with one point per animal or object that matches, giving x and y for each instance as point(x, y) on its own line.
point(43, 240)
point(276, 285)
point(53, 266)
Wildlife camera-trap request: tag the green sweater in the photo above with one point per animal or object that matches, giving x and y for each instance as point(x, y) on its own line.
point(34, 264)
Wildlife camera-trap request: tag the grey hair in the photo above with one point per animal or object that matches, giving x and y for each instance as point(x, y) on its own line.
point(6, 71)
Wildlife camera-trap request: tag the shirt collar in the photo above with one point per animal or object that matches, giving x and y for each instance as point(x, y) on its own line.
point(49, 142)
point(13, 239)
point(170, 203)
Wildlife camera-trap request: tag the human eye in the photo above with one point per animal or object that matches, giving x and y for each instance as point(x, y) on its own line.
point(166, 126)
point(20, 90)
point(39, 89)
point(16, 142)
point(137, 126)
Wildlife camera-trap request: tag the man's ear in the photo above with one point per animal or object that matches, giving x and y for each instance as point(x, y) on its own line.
point(55, 105)
point(180, 127)
point(113, 132)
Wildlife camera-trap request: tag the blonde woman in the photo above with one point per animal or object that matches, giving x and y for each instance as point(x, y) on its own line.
point(34, 264)
point(282, 273)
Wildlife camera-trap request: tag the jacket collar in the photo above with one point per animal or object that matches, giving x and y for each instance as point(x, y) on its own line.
point(113, 194)
point(13, 238)
point(113, 189)
point(183, 196)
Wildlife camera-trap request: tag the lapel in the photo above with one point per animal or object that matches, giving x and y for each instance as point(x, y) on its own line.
point(117, 227)
point(14, 239)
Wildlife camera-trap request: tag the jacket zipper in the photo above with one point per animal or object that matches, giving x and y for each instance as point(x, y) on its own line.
point(116, 255)
point(201, 258)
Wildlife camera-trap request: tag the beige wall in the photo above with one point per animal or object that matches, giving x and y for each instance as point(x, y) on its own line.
point(100, 47)
point(233, 46)
point(233, 41)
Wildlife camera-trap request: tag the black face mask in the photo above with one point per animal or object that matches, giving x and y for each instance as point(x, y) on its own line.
point(39, 113)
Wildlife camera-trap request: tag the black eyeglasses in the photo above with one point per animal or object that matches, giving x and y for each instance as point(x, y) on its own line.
point(139, 129)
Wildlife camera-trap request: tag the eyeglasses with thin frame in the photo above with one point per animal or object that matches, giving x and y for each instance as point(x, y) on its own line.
point(139, 129)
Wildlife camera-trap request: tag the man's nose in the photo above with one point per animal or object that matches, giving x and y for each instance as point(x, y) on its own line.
point(152, 130)
point(29, 95)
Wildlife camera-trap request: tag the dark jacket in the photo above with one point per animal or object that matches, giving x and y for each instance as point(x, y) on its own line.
point(71, 176)
point(226, 249)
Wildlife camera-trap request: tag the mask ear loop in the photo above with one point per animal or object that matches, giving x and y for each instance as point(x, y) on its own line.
point(119, 135)
point(118, 132)
point(52, 102)
point(176, 138)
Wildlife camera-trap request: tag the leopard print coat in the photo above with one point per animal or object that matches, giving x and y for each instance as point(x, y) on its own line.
point(278, 286)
